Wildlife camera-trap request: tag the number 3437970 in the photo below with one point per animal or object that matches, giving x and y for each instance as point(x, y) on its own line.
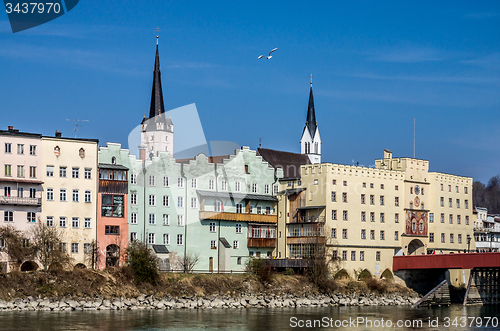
point(33, 8)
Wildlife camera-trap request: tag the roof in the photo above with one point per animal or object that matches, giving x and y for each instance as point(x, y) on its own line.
point(311, 116)
point(211, 159)
point(160, 249)
point(15, 132)
point(224, 242)
point(294, 190)
point(239, 196)
point(289, 162)
point(157, 106)
point(112, 166)
point(312, 207)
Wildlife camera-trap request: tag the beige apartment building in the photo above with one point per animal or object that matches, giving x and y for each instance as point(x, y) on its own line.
point(365, 216)
point(69, 203)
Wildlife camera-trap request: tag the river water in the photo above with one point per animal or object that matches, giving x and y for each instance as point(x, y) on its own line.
point(357, 318)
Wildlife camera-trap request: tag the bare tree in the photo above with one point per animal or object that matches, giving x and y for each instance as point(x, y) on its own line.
point(17, 245)
point(188, 262)
point(92, 255)
point(46, 242)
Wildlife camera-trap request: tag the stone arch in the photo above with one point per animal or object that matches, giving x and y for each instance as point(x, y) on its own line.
point(364, 274)
point(342, 273)
point(29, 266)
point(387, 274)
point(416, 247)
point(112, 255)
point(55, 266)
point(80, 266)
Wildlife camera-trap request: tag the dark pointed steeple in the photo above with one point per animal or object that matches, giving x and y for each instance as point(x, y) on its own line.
point(311, 116)
point(157, 106)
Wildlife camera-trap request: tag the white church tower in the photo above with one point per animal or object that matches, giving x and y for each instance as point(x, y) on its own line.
point(157, 131)
point(310, 143)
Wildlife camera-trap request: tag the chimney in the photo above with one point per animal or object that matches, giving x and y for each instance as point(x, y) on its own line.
point(11, 128)
point(142, 153)
point(58, 134)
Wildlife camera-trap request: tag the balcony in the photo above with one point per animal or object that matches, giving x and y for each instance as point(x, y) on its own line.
point(238, 217)
point(20, 201)
point(261, 242)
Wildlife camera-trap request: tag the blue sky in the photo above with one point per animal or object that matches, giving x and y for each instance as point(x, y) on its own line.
point(376, 66)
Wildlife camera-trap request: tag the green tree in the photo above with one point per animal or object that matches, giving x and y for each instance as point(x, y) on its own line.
point(143, 263)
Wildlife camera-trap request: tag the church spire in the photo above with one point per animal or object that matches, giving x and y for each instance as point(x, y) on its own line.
point(311, 116)
point(157, 106)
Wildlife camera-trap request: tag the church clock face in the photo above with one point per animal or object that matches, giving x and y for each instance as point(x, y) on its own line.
point(417, 189)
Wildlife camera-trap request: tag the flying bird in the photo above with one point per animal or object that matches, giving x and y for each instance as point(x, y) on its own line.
point(269, 56)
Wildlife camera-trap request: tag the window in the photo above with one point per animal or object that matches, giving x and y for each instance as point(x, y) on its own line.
point(371, 185)
point(74, 248)
point(363, 216)
point(20, 171)
point(8, 216)
point(451, 219)
point(211, 184)
point(112, 205)
point(50, 194)
point(180, 201)
point(212, 227)
point(450, 202)
point(266, 189)
point(449, 188)
point(431, 217)
point(459, 238)
point(344, 255)
point(396, 201)
point(334, 214)
point(381, 200)
point(112, 230)
point(431, 237)
point(165, 201)
point(213, 244)
point(180, 182)
point(363, 234)
point(372, 234)
point(180, 239)
point(87, 174)
point(465, 190)
point(364, 185)
point(362, 199)
point(194, 202)
point(87, 248)
point(382, 218)
point(451, 237)
point(20, 192)
point(459, 219)
point(377, 256)
point(382, 235)
point(166, 219)
point(372, 199)
point(334, 233)
point(396, 218)
point(62, 247)
point(372, 216)
point(238, 228)
point(62, 194)
point(442, 202)
point(239, 208)
point(466, 220)
point(133, 199)
point(315, 182)
point(237, 186)
point(254, 188)
point(334, 182)
point(6, 191)
point(151, 238)
point(87, 224)
point(152, 200)
point(344, 233)
point(50, 171)
point(236, 244)
point(344, 215)
point(32, 193)
point(88, 196)
point(75, 172)
point(238, 261)
point(362, 255)
point(353, 255)
point(218, 206)
point(152, 180)
point(20, 149)
point(458, 202)
point(31, 217)
point(442, 237)
point(62, 172)
point(276, 189)
point(32, 172)
point(152, 218)
point(50, 221)
point(180, 220)
point(422, 191)
point(8, 170)
point(466, 204)
point(411, 205)
point(382, 186)
point(8, 148)
point(62, 222)
point(193, 183)
point(344, 196)
point(75, 222)
point(166, 239)
point(396, 235)
point(442, 218)
point(76, 196)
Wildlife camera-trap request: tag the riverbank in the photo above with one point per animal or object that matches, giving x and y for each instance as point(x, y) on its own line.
point(113, 289)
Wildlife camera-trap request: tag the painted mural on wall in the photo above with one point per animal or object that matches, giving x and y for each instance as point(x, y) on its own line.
point(416, 223)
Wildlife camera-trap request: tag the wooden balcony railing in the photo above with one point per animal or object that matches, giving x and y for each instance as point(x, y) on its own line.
point(20, 201)
point(238, 217)
point(261, 242)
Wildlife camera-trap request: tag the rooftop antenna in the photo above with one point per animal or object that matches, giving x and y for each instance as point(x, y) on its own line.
point(260, 142)
point(414, 137)
point(76, 124)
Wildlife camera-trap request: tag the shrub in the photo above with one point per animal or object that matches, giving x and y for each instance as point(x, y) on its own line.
point(262, 268)
point(143, 263)
point(289, 272)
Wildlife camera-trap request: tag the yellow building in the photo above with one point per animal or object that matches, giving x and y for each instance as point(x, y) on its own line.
point(365, 216)
point(69, 175)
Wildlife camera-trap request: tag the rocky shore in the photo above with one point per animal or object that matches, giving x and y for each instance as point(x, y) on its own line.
point(255, 301)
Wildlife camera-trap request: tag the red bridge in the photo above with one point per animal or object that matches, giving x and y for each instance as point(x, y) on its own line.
point(447, 261)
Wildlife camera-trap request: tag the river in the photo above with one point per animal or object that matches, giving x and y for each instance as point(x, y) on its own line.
point(456, 317)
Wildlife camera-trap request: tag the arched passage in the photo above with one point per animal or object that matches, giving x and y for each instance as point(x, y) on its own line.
point(387, 274)
point(29, 266)
point(112, 255)
point(342, 274)
point(415, 247)
point(80, 266)
point(364, 274)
